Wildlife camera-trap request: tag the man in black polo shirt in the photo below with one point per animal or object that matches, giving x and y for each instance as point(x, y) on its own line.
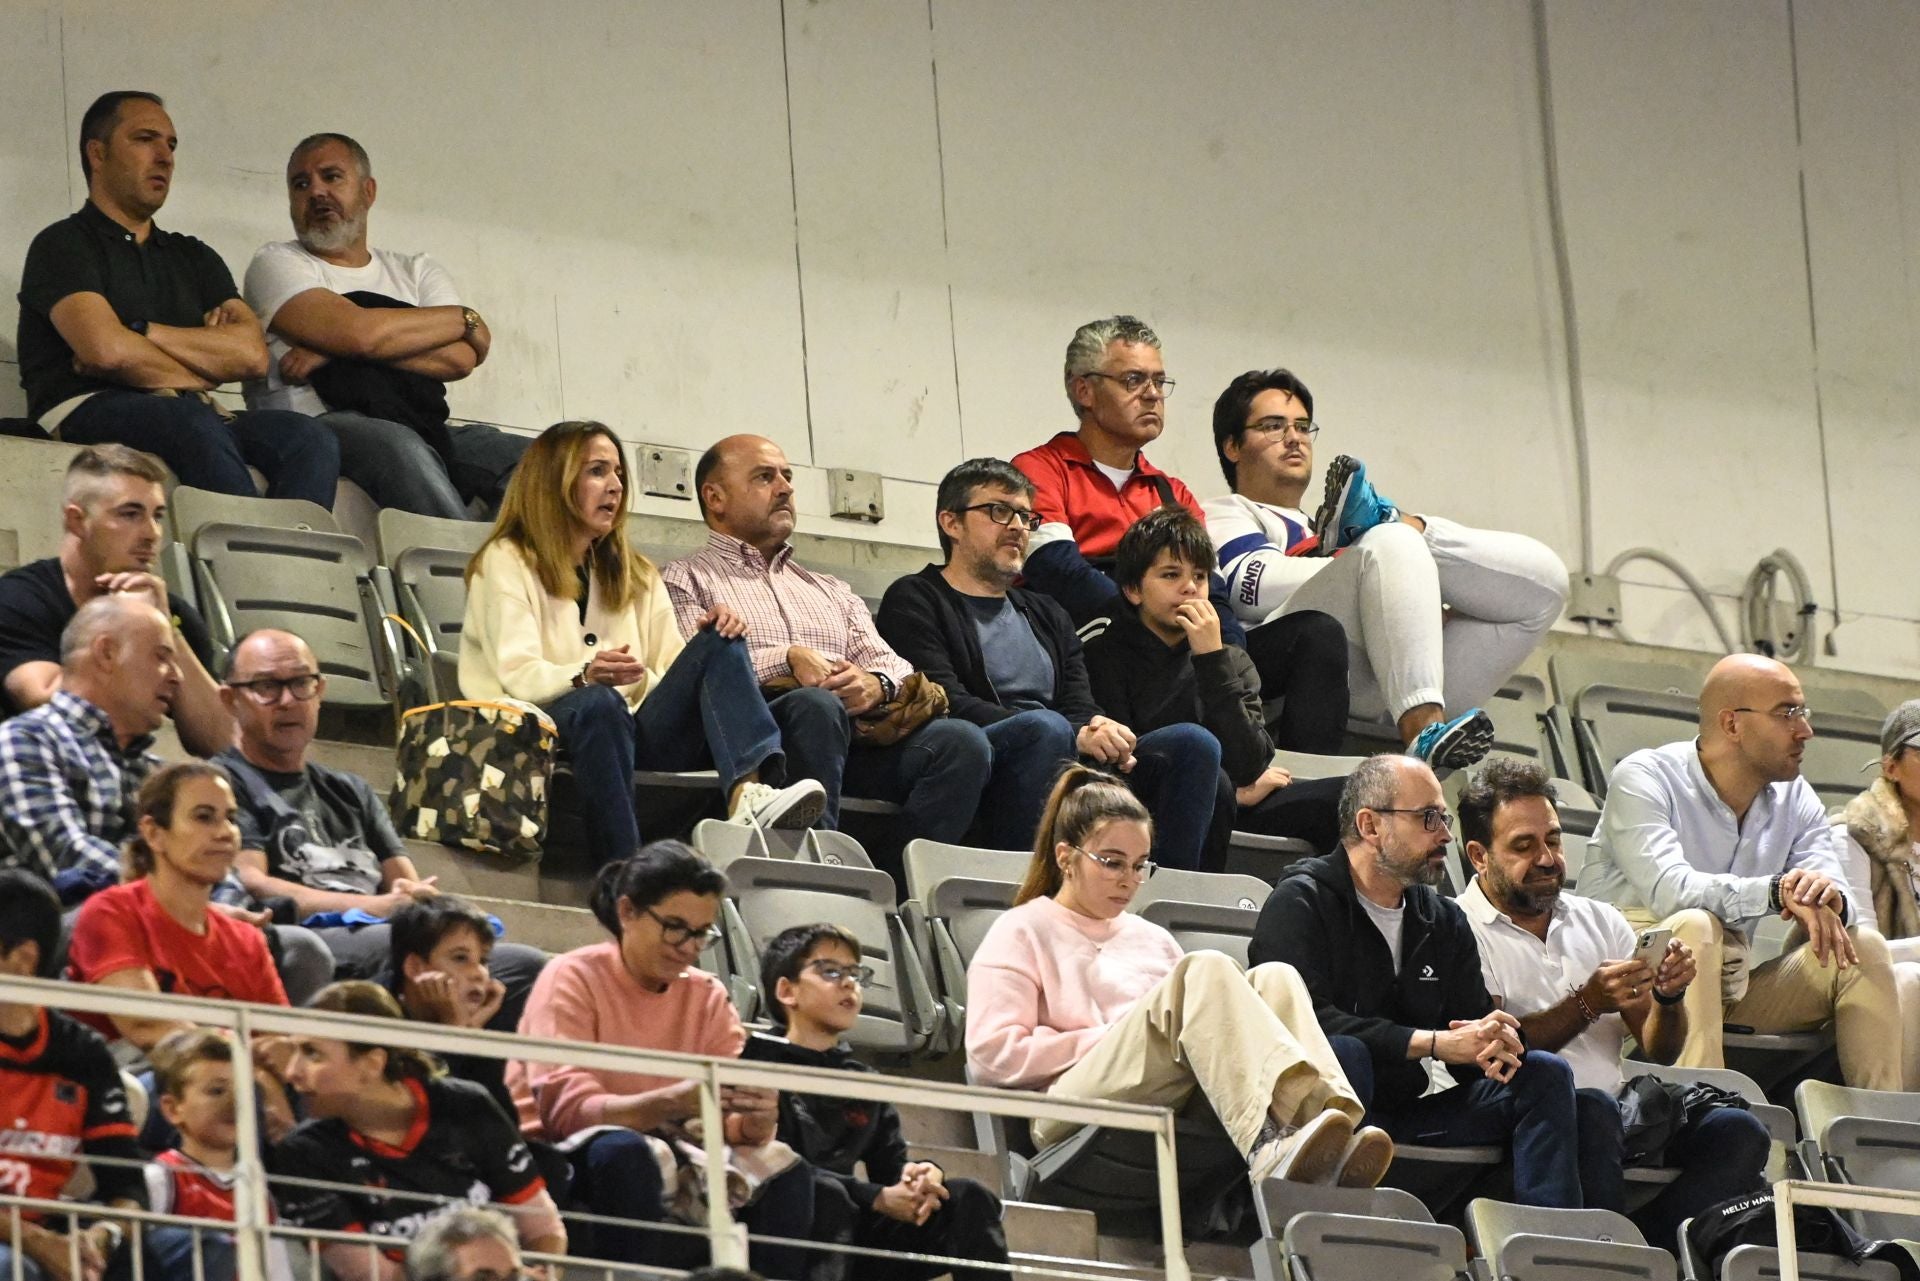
point(111, 520)
point(125, 329)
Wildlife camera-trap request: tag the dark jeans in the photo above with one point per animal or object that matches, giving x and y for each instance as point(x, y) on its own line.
point(936, 774)
point(1307, 810)
point(297, 454)
point(704, 710)
point(614, 1173)
point(966, 1226)
point(170, 1253)
point(1534, 1114)
point(1028, 750)
point(1722, 1153)
point(1176, 770)
point(1303, 658)
point(398, 468)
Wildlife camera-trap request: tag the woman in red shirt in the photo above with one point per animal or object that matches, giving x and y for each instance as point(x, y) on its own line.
point(159, 932)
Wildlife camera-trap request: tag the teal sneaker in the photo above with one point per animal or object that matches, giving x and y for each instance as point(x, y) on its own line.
point(1457, 743)
point(1351, 506)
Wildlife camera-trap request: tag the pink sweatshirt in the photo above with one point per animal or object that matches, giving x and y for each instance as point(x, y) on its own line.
point(1048, 982)
point(588, 995)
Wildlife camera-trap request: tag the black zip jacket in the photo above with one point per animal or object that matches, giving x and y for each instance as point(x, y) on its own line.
point(926, 622)
point(833, 1134)
point(1147, 684)
point(1314, 922)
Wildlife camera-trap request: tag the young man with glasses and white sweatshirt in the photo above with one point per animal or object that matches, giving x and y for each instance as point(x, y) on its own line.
point(1437, 614)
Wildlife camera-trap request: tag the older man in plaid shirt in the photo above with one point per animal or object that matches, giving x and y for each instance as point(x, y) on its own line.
point(812, 627)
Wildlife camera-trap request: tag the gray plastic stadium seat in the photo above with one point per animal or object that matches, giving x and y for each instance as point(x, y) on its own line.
point(818, 845)
point(1522, 714)
point(190, 509)
point(1347, 1247)
point(1762, 1263)
point(401, 531)
point(429, 590)
point(953, 894)
point(721, 842)
point(1528, 1243)
point(1840, 745)
point(1618, 706)
point(1202, 927)
point(766, 896)
point(930, 862)
point(1276, 1202)
point(1220, 889)
point(1865, 1137)
point(1308, 765)
point(1782, 1127)
point(1267, 858)
point(1573, 848)
point(314, 584)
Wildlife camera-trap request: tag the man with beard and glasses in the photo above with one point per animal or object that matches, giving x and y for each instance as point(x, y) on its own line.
point(365, 339)
point(1708, 836)
point(1393, 964)
point(1566, 966)
point(126, 329)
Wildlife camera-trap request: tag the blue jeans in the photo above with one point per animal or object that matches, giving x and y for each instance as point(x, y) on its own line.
point(936, 774)
point(1534, 1114)
point(1722, 1153)
point(170, 1253)
point(704, 710)
point(398, 468)
point(1175, 772)
point(1028, 750)
point(615, 1174)
point(297, 454)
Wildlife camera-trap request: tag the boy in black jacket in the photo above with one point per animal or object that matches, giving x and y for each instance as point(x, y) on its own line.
point(1393, 964)
point(813, 978)
point(1165, 663)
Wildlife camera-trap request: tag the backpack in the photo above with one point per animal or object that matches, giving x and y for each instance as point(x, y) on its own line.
point(1748, 1220)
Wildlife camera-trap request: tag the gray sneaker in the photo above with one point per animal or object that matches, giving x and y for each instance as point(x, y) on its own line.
point(795, 805)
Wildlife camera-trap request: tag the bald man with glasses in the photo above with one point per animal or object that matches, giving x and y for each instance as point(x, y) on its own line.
point(1708, 837)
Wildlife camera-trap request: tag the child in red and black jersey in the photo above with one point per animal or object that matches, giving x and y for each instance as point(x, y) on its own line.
point(61, 1099)
point(408, 1139)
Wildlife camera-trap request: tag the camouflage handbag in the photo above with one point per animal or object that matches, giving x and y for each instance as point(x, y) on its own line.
point(475, 775)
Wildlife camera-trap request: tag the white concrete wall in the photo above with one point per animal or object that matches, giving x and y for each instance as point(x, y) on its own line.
point(868, 227)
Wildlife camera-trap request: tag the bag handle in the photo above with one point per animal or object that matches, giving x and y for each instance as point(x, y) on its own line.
point(426, 656)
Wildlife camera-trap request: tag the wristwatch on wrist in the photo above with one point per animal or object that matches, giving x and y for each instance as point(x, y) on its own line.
point(116, 1235)
point(888, 690)
point(580, 677)
point(472, 318)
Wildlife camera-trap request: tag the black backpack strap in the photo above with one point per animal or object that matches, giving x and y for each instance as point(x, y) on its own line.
point(1164, 489)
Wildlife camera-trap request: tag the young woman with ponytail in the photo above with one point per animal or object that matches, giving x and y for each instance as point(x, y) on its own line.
point(644, 989)
point(1071, 994)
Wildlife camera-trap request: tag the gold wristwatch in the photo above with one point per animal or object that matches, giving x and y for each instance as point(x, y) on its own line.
point(472, 318)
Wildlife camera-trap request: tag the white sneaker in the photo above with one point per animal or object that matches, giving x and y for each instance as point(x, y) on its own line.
point(1310, 1153)
point(796, 805)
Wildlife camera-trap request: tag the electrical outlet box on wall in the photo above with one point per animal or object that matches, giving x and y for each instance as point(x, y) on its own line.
point(666, 473)
point(1594, 598)
point(856, 495)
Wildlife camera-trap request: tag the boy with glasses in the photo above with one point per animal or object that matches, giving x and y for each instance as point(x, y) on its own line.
point(1707, 837)
point(1397, 579)
point(813, 979)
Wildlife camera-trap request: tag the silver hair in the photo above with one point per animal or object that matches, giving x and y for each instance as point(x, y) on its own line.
point(430, 1257)
point(103, 615)
point(1090, 343)
point(1373, 785)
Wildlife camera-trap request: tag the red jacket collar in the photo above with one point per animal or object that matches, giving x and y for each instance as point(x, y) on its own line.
point(1068, 445)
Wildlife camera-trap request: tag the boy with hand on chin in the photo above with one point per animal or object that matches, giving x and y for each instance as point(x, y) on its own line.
point(813, 978)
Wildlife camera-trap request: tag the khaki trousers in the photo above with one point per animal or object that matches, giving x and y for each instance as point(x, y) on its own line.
point(1791, 993)
point(1248, 1040)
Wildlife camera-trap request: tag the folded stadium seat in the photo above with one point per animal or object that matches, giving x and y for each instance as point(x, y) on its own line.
point(1218, 888)
point(427, 587)
point(1277, 1201)
point(954, 893)
point(1620, 705)
point(767, 895)
point(190, 508)
point(1528, 1243)
point(1200, 927)
point(1785, 1161)
point(1349, 1247)
point(316, 584)
point(721, 842)
point(1870, 1138)
point(1762, 1263)
point(821, 845)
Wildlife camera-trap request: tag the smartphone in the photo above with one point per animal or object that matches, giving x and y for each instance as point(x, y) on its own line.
point(1652, 946)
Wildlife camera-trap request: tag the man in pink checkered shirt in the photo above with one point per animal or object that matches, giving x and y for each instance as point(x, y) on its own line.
point(814, 628)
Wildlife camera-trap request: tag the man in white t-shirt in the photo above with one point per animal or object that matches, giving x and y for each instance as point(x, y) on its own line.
point(1566, 967)
point(315, 295)
point(1398, 578)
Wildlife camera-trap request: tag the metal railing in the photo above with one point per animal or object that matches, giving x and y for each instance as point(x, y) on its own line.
point(251, 1213)
point(1789, 1193)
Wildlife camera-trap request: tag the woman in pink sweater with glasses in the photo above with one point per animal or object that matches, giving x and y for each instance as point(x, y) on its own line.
point(1071, 994)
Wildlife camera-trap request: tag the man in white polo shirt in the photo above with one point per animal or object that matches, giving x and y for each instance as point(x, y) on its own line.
point(1709, 836)
point(1565, 966)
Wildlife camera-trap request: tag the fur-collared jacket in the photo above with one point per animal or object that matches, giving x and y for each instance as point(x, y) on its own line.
point(1877, 820)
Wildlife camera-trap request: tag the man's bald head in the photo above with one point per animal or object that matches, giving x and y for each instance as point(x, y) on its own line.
point(1753, 722)
point(745, 487)
point(1745, 680)
point(267, 673)
point(117, 652)
point(265, 648)
point(117, 614)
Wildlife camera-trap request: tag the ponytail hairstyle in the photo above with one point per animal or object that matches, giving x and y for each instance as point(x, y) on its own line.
point(357, 996)
point(659, 869)
point(1082, 799)
point(155, 801)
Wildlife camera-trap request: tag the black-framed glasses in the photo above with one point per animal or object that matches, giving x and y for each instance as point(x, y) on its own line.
point(267, 690)
point(1006, 514)
point(675, 932)
point(1304, 428)
point(1144, 869)
point(1790, 713)
point(835, 972)
point(1432, 817)
point(1135, 381)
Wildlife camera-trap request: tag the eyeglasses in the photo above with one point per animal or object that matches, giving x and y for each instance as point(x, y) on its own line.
point(1134, 381)
point(834, 972)
point(1304, 428)
point(1432, 817)
point(1120, 867)
point(267, 690)
point(1790, 713)
point(676, 932)
point(1006, 514)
